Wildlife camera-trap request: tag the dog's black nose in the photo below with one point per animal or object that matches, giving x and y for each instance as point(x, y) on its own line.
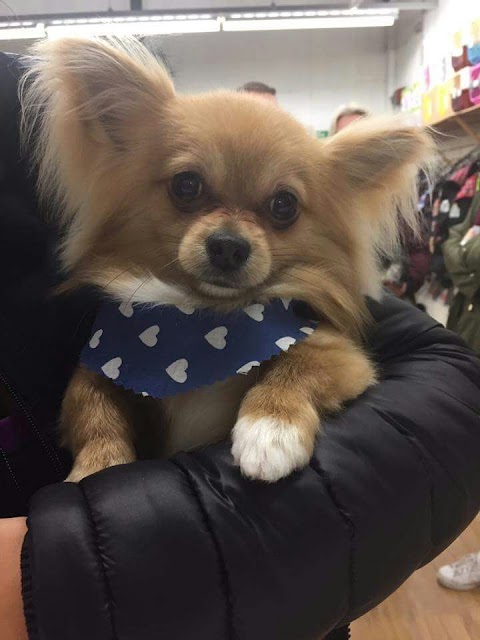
point(227, 251)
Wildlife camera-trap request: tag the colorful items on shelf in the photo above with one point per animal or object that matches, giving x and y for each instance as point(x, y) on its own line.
point(428, 115)
point(473, 48)
point(445, 106)
point(459, 52)
point(475, 85)
point(448, 84)
point(412, 100)
point(437, 103)
point(461, 90)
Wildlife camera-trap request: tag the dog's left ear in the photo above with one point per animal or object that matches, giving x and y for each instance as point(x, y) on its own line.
point(377, 152)
point(372, 168)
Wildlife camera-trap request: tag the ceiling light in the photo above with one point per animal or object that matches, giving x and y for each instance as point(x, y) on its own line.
point(133, 28)
point(17, 24)
point(22, 33)
point(342, 22)
point(163, 24)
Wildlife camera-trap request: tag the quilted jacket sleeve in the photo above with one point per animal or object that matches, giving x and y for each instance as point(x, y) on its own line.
point(187, 549)
point(472, 256)
point(463, 262)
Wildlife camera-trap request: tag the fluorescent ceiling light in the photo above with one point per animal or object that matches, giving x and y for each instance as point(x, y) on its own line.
point(133, 28)
point(342, 22)
point(163, 24)
point(317, 13)
point(22, 33)
point(17, 24)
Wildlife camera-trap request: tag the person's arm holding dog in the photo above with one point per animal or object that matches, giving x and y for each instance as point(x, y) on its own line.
point(12, 620)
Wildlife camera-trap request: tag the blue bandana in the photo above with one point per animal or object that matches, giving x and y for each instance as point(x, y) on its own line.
point(162, 351)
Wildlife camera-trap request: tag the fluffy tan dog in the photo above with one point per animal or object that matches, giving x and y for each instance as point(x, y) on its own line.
point(216, 200)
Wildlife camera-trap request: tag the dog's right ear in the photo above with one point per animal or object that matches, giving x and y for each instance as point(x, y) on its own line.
point(107, 84)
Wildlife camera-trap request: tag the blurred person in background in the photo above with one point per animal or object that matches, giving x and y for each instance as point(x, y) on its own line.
point(260, 89)
point(463, 575)
point(345, 115)
point(462, 259)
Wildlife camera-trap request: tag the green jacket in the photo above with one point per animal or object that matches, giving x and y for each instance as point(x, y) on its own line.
point(463, 264)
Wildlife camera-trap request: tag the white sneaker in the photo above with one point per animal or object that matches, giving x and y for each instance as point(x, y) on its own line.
point(462, 575)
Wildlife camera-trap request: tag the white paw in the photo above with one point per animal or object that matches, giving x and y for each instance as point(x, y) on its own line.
point(268, 449)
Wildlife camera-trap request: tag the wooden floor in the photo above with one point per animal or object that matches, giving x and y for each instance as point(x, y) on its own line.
point(422, 610)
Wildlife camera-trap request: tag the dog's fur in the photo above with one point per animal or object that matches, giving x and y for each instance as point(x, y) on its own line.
point(110, 133)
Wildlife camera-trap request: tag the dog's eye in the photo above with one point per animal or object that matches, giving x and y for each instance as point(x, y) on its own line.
point(187, 186)
point(283, 208)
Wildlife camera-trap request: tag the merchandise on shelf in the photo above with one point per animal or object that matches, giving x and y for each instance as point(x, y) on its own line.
point(475, 85)
point(459, 52)
point(473, 48)
point(461, 90)
point(445, 107)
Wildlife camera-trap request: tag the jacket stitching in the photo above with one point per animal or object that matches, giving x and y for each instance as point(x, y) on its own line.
point(349, 526)
point(224, 574)
point(29, 609)
point(415, 445)
point(47, 448)
point(402, 430)
point(103, 570)
point(10, 470)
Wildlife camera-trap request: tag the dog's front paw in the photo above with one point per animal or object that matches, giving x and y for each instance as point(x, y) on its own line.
point(268, 448)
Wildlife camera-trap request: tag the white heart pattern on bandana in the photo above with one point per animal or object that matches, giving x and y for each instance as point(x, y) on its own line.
point(95, 339)
point(285, 343)
point(149, 336)
point(163, 351)
point(112, 368)
point(248, 367)
point(126, 309)
point(178, 370)
point(186, 308)
point(216, 337)
point(255, 311)
point(307, 330)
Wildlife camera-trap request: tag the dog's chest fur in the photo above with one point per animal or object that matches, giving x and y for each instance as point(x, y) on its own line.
point(192, 419)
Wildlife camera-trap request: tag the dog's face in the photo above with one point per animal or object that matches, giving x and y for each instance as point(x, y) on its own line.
point(221, 205)
point(237, 193)
point(217, 199)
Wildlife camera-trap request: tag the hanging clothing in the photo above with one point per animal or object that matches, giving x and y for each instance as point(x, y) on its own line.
point(463, 263)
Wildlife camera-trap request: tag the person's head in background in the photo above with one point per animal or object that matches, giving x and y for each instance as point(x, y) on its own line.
point(259, 89)
point(345, 115)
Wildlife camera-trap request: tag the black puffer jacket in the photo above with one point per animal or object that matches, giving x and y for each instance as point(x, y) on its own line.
point(187, 549)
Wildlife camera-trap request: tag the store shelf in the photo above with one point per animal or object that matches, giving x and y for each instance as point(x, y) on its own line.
point(468, 120)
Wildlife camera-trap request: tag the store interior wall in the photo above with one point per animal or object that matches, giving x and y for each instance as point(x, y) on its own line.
point(313, 71)
point(421, 38)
